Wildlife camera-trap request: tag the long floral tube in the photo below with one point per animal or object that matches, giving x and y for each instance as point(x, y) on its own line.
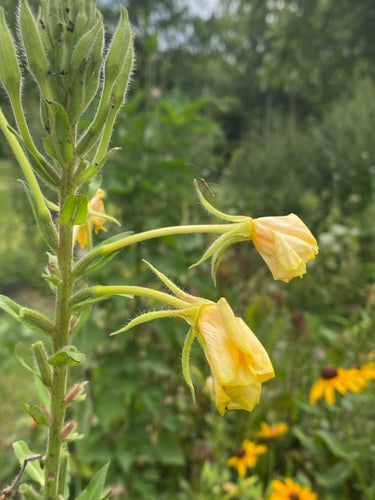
point(102, 291)
point(107, 249)
point(165, 231)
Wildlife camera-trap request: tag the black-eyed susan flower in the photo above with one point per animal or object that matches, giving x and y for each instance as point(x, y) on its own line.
point(272, 431)
point(289, 490)
point(246, 456)
point(366, 372)
point(285, 244)
point(335, 379)
point(94, 219)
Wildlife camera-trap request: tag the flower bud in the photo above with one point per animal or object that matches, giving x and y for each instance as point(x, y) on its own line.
point(36, 56)
point(42, 361)
point(36, 321)
point(10, 74)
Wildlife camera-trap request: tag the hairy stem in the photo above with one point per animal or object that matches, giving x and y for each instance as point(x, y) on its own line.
point(60, 340)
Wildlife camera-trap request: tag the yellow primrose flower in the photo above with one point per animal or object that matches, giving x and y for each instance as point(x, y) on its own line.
point(285, 244)
point(238, 361)
point(246, 456)
point(335, 379)
point(271, 431)
point(289, 490)
point(95, 208)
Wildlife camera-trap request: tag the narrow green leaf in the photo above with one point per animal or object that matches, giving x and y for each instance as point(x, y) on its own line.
point(334, 444)
point(9, 306)
point(94, 489)
point(33, 469)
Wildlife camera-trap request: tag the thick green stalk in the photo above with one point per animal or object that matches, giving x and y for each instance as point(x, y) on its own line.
point(60, 340)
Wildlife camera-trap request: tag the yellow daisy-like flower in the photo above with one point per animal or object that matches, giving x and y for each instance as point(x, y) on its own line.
point(246, 456)
point(366, 372)
point(289, 490)
point(272, 431)
point(335, 379)
point(285, 244)
point(238, 361)
point(95, 207)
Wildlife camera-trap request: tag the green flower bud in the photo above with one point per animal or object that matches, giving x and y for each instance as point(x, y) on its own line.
point(85, 70)
point(42, 361)
point(28, 493)
point(36, 56)
point(36, 321)
point(10, 74)
point(113, 67)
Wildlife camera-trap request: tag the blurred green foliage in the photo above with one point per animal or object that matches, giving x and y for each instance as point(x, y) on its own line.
point(272, 104)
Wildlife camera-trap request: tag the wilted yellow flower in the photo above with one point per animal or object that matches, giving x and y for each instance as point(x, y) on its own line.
point(289, 490)
point(238, 361)
point(335, 379)
point(246, 456)
point(271, 431)
point(285, 244)
point(95, 207)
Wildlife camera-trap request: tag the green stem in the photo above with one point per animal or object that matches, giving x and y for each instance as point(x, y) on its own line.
point(60, 340)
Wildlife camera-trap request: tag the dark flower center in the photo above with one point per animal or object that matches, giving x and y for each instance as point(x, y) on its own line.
point(240, 453)
point(294, 496)
point(328, 372)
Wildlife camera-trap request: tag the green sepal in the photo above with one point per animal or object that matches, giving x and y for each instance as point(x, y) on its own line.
point(33, 468)
point(68, 356)
point(36, 413)
point(186, 358)
point(94, 489)
point(74, 211)
point(42, 362)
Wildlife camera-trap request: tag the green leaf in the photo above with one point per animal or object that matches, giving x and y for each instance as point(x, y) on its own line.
point(335, 445)
point(67, 357)
point(74, 211)
point(9, 306)
point(36, 413)
point(335, 475)
point(33, 469)
point(93, 490)
point(42, 392)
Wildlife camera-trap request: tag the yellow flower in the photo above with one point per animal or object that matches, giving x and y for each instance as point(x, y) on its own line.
point(289, 490)
point(95, 207)
point(285, 244)
point(366, 372)
point(271, 431)
point(246, 456)
point(238, 361)
point(335, 379)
